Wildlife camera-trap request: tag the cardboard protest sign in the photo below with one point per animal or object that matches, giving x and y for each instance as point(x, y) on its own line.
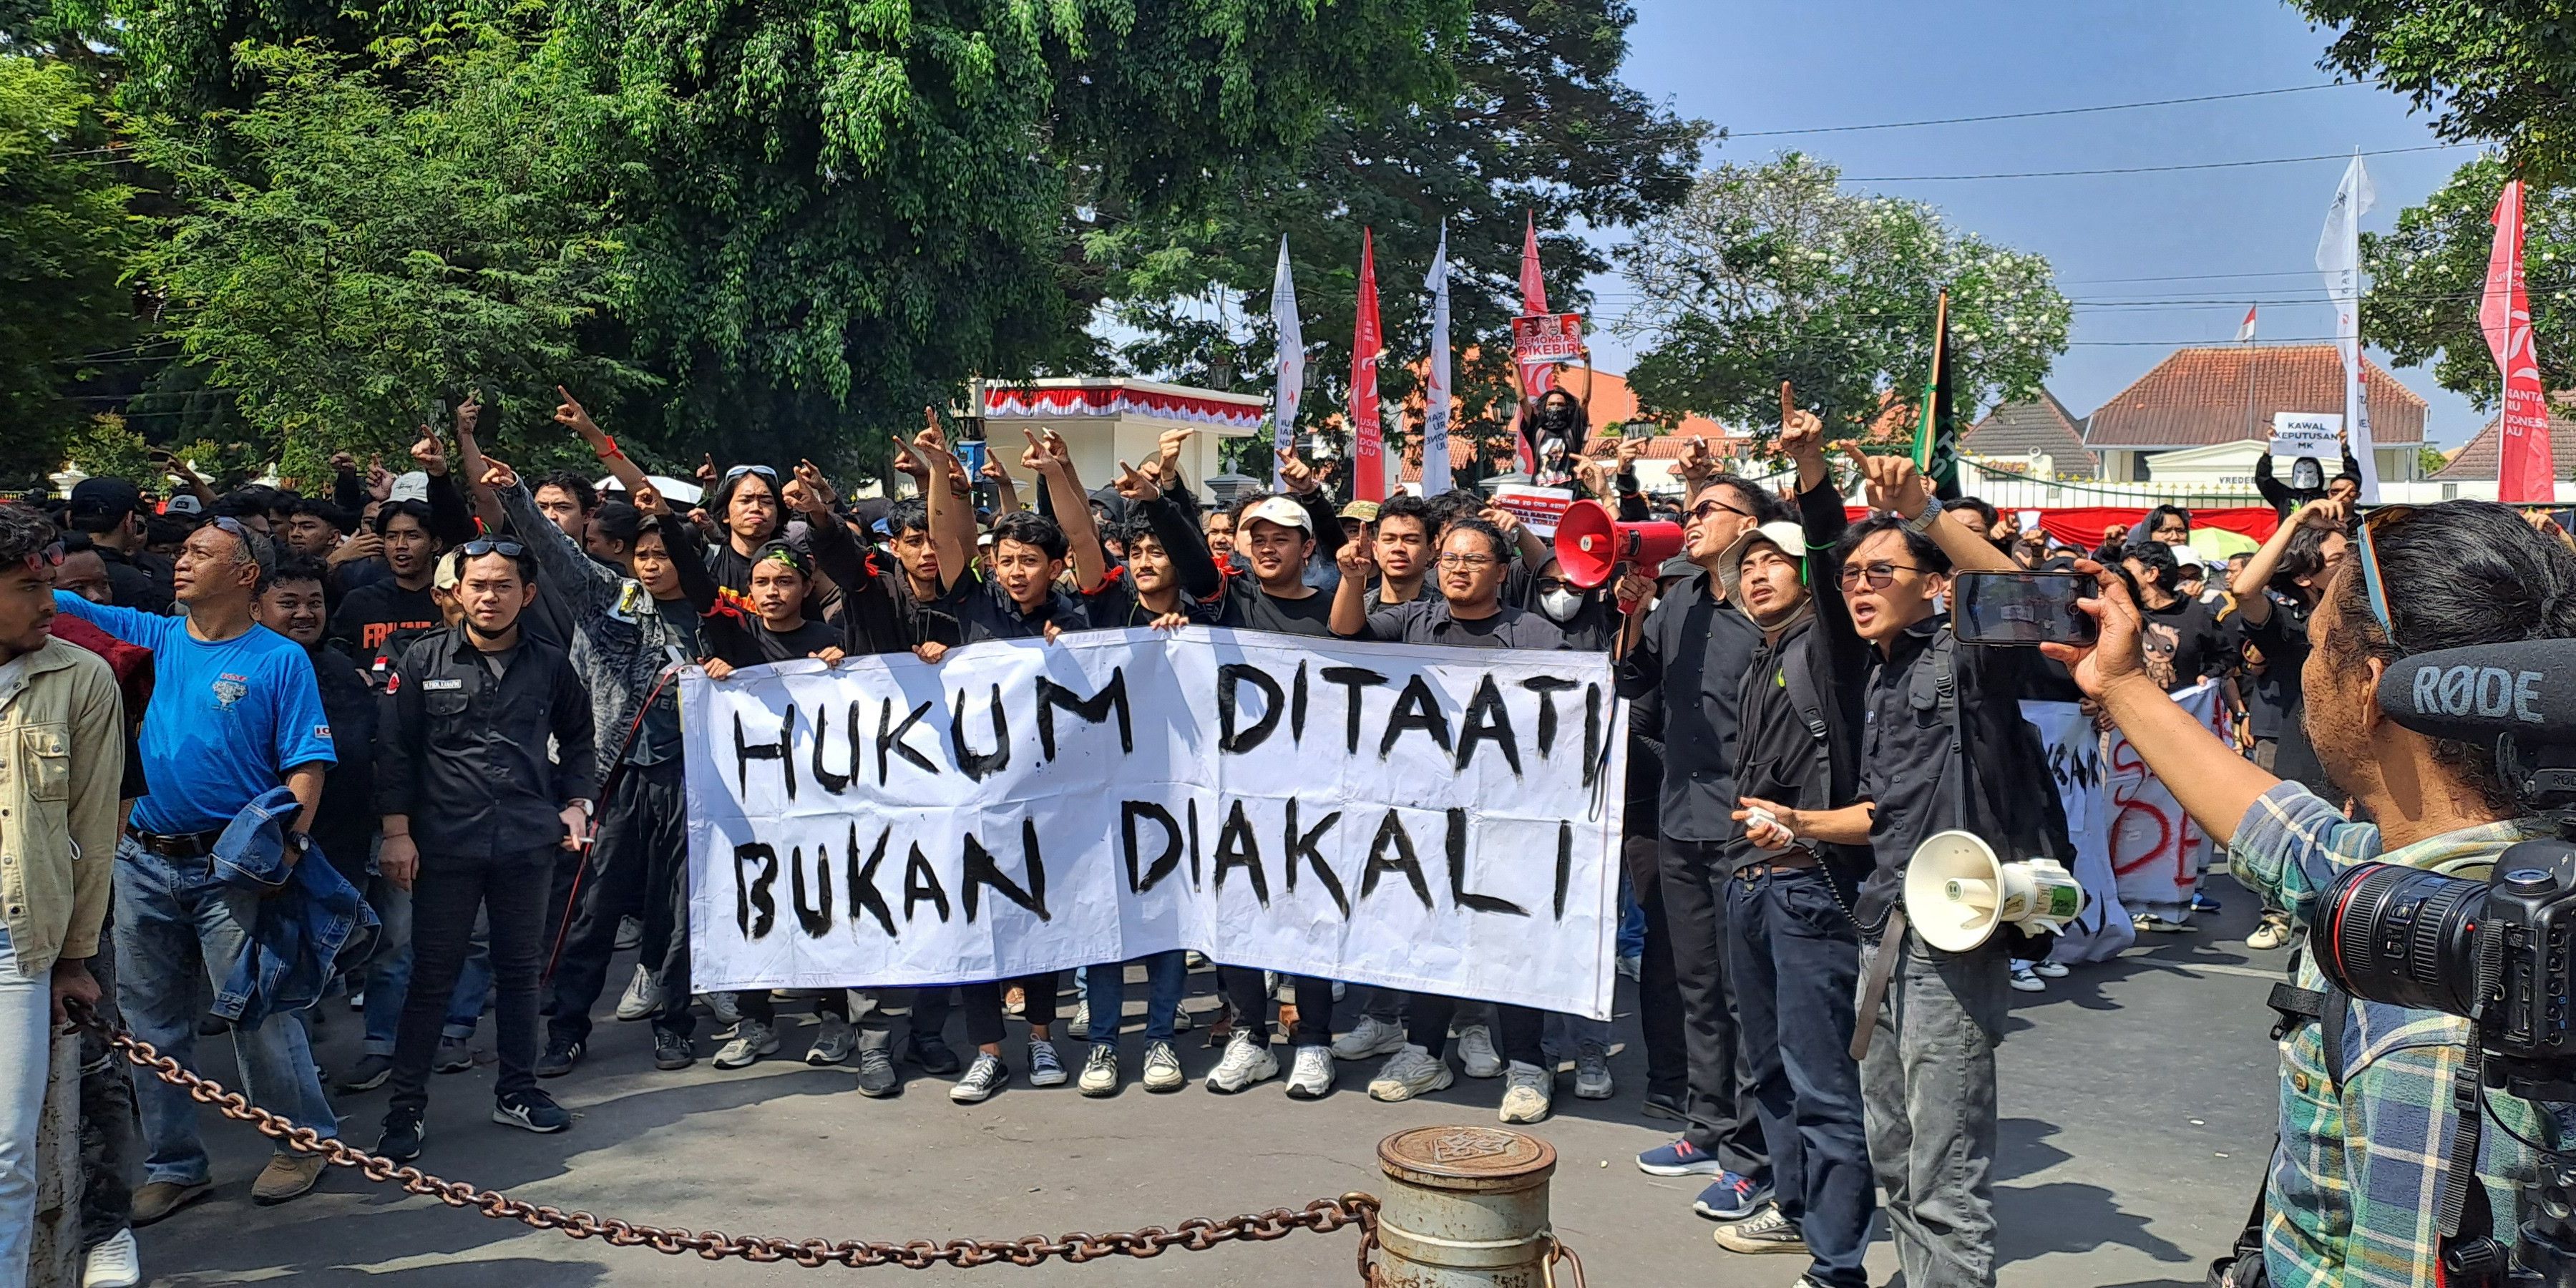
point(1539, 509)
point(1547, 337)
point(2307, 433)
point(1438, 820)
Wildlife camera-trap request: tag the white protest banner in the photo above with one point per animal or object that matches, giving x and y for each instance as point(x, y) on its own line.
point(1435, 820)
point(1547, 337)
point(2307, 433)
point(2074, 750)
point(1539, 509)
point(2156, 850)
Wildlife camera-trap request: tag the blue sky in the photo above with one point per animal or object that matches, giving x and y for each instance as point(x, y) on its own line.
point(1780, 65)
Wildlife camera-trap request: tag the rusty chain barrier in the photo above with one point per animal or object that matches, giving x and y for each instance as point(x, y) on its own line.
point(1196, 1234)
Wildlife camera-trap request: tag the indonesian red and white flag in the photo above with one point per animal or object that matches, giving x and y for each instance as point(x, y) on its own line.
point(1368, 443)
point(2523, 462)
point(2245, 329)
point(1536, 377)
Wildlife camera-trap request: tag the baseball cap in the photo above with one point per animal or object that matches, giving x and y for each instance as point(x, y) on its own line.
point(444, 576)
point(1282, 511)
point(1789, 537)
point(185, 505)
point(413, 486)
point(105, 497)
point(1364, 511)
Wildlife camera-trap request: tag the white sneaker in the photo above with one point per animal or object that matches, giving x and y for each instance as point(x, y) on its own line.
point(113, 1264)
point(1410, 1072)
point(1372, 1037)
point(1100, 1071)
point(751, 1040)
point(833, 1043)
point(1081, 1026)
point(2049, 969)
point(1476, 1054)
point(641, 998)
point(720, 1005)
point(1527, 1089)
point(1246, 1062)
point(1162, 1068)
point(2026, 980)
point(1312, 1077)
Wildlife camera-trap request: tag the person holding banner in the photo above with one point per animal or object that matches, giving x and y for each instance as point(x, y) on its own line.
point(1795, 950)
point(1692, 650)
point(1468, 612)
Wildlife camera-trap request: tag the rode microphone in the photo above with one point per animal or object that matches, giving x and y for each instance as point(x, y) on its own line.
point(2525, 689)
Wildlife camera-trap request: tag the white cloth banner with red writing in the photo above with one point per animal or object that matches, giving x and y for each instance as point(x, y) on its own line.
point(2074, 751)
point(2157, 851)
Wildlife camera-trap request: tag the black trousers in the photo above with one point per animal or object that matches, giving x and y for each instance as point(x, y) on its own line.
point(1796, 970)
point(642, 843)
point(512, 890)
point(1251, 998)
point(1520, 1029)
point(1659, 998)
point(982, 1002)
point(1720, 1105)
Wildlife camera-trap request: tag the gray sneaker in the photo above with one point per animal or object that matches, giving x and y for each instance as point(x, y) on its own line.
point(454, 1056)
point(641, 998)
point(1591, 1072)
point(833, 1042)
point(1764, 1231)
point(751, 1040)
point(877, 1078)
point(1162, 1068)
point(630, 932)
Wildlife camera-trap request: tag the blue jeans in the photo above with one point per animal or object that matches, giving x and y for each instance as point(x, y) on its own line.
point(1632, 920)
point(26, 1055)
point(1796, 966)
point(1105, 988)
point(389, 974)
point(175, 922)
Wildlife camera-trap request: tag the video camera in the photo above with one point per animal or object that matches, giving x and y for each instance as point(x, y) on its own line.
point(2497, 952)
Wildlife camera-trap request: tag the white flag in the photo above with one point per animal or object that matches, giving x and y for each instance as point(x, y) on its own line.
point(1291, 368)
point(1435, 407)
point(2339, 259)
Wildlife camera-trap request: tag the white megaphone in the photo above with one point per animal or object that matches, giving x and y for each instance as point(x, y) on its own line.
point(1957, 892)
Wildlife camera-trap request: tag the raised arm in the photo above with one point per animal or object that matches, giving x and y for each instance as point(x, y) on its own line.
point(572, 415)
point(1047, 457)
point(1171, 526)
point(1350, 597)
point(469, 455)
point(1894, 485)
point(952, 525)
point(584, 584)
point(2274, 493)
point(2250, 582)
point(1006, 493)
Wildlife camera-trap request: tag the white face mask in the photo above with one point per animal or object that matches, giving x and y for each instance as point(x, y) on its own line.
point(1559, 605)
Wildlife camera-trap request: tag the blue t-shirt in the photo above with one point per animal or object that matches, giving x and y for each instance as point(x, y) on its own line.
point(226, 721)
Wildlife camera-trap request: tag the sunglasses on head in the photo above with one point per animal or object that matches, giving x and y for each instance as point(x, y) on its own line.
point(761, 470)
point(481, 546)
point(2373, 588)
point(51, 556)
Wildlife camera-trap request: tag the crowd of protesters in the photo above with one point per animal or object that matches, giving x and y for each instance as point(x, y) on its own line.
point(440, 709)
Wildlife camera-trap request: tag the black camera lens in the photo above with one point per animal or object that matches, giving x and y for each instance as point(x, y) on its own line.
point(2402, 936)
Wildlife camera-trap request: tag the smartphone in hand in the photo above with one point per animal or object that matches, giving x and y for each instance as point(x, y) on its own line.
point(2021, 608)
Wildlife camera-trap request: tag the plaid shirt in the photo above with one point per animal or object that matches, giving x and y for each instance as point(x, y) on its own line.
point(2356, 1180)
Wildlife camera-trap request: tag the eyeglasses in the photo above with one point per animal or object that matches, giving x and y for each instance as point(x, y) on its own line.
point(1711, 506)
point(481, 546)
point(1877, 576)
point(1469, 562)
point(2373, 588)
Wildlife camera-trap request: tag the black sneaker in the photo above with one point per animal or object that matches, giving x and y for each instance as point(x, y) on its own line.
point(933, 1054)
point(671, 1051)
point(533, 1110)
point(367, 1074)
point(1664, 1104)
point(877, 1078)
point(561, 1055)
point(401, 1141)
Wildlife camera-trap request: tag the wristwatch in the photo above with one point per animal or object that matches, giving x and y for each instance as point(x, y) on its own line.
point(1931, 514)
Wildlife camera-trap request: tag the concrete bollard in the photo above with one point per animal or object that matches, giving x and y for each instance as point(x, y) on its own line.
point(1465, 1207)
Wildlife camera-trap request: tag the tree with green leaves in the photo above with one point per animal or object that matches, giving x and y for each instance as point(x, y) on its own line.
point(1772, 272)
point(2428, 275)
point(1539, 127)
point(2486, 69)
point(350, 254)
point(65, 229)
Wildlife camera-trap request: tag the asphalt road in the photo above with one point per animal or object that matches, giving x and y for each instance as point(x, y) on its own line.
point(2137, 1108)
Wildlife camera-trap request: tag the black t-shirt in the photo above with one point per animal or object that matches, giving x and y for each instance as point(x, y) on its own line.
point(2184, 643)
point(2283, 638)
point(985, 611)
point(1251, 608)
point(372, 618)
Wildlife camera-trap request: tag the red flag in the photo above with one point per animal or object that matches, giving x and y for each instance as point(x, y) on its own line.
point(1368, 450)
point(1536, 377)
point(2523, 465)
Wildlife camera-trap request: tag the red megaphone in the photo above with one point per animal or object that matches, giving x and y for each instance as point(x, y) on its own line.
point(1592, 545)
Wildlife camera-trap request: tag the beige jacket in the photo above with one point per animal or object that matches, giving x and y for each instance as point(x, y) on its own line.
point(62, 757)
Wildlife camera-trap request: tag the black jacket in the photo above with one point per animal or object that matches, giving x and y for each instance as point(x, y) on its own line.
point(1801, 715)
point(464, 754)
point(1694, 650)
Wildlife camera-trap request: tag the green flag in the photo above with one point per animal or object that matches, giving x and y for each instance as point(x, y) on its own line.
point(1936, 430)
